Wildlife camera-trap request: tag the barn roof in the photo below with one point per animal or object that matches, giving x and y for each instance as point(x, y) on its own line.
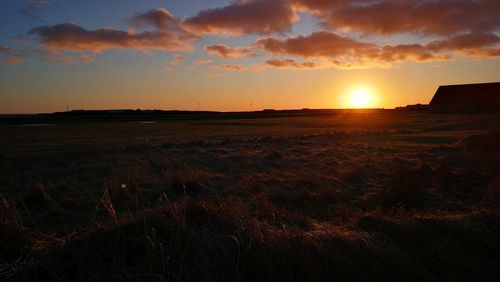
point(467, 97)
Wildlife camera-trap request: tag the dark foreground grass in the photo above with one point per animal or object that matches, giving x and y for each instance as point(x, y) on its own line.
point(374, 205)
point(224, 241)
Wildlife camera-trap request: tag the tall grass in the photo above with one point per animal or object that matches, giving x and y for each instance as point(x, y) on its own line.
point(309, 208)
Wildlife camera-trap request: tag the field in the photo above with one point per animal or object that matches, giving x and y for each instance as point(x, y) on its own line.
point(355, 196)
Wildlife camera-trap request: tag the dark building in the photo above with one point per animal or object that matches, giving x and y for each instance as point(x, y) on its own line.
point(481, 97)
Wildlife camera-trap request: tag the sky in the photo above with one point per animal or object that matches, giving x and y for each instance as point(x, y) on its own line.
point(240, 55)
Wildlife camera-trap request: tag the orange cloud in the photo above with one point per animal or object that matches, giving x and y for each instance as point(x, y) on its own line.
point(225, 51)
point(229, 67)
point(215, 75)
point(470, 41)
point(346, 52)
point(321, 5)
point(458, 27)
point(317, 44)
point(177, 60)
point(425, 17)
point(244, 17)
point(292, 64)
point(88, 59)
point(168, 70)
point(203, 62)
point(166, 36)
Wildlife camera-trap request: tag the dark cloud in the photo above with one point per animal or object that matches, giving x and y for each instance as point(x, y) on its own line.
point(244, 17)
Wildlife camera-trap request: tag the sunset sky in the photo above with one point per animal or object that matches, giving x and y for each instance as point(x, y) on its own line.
point(240, 55)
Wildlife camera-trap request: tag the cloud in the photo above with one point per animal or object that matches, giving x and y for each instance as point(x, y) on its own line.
point(402, 52)
point(203, 62)
point(38, 4)
point(165, 36)
point(480, 45)
point(13, 61)
point(31, 6)
point(11, 57)
point(16, 57)
point(317, 44)
point(225, 51)
point(322, 5)
point(292, 64)
point(4, 50)
point(345, 52)
point(158, 18)
point(177, 60)
point(423, 17)
point(59, 57)
point(215, 75)
point(88, 59)
point(244, 17)
point(385, 17)
point(466, 42)
point(73, 37)
point(228, 67)
point(441, 30)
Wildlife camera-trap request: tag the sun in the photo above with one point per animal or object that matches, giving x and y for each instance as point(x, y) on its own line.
point(359, 97)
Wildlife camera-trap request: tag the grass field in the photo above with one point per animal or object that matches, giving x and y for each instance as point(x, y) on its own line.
point(357, 196)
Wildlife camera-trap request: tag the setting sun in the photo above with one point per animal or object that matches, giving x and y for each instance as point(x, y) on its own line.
point(360, 96)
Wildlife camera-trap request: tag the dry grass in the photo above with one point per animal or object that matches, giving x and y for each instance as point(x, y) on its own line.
point(393, 203)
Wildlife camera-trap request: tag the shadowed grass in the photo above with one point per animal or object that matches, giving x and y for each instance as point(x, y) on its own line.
point(392, 204)
point(224, 241)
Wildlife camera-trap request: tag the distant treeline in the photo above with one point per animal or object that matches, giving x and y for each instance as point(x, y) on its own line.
point(129, 115)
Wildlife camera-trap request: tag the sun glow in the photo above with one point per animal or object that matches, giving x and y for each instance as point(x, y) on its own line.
point(360, 96)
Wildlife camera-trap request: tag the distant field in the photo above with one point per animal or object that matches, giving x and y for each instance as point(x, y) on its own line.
point(357, 196)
